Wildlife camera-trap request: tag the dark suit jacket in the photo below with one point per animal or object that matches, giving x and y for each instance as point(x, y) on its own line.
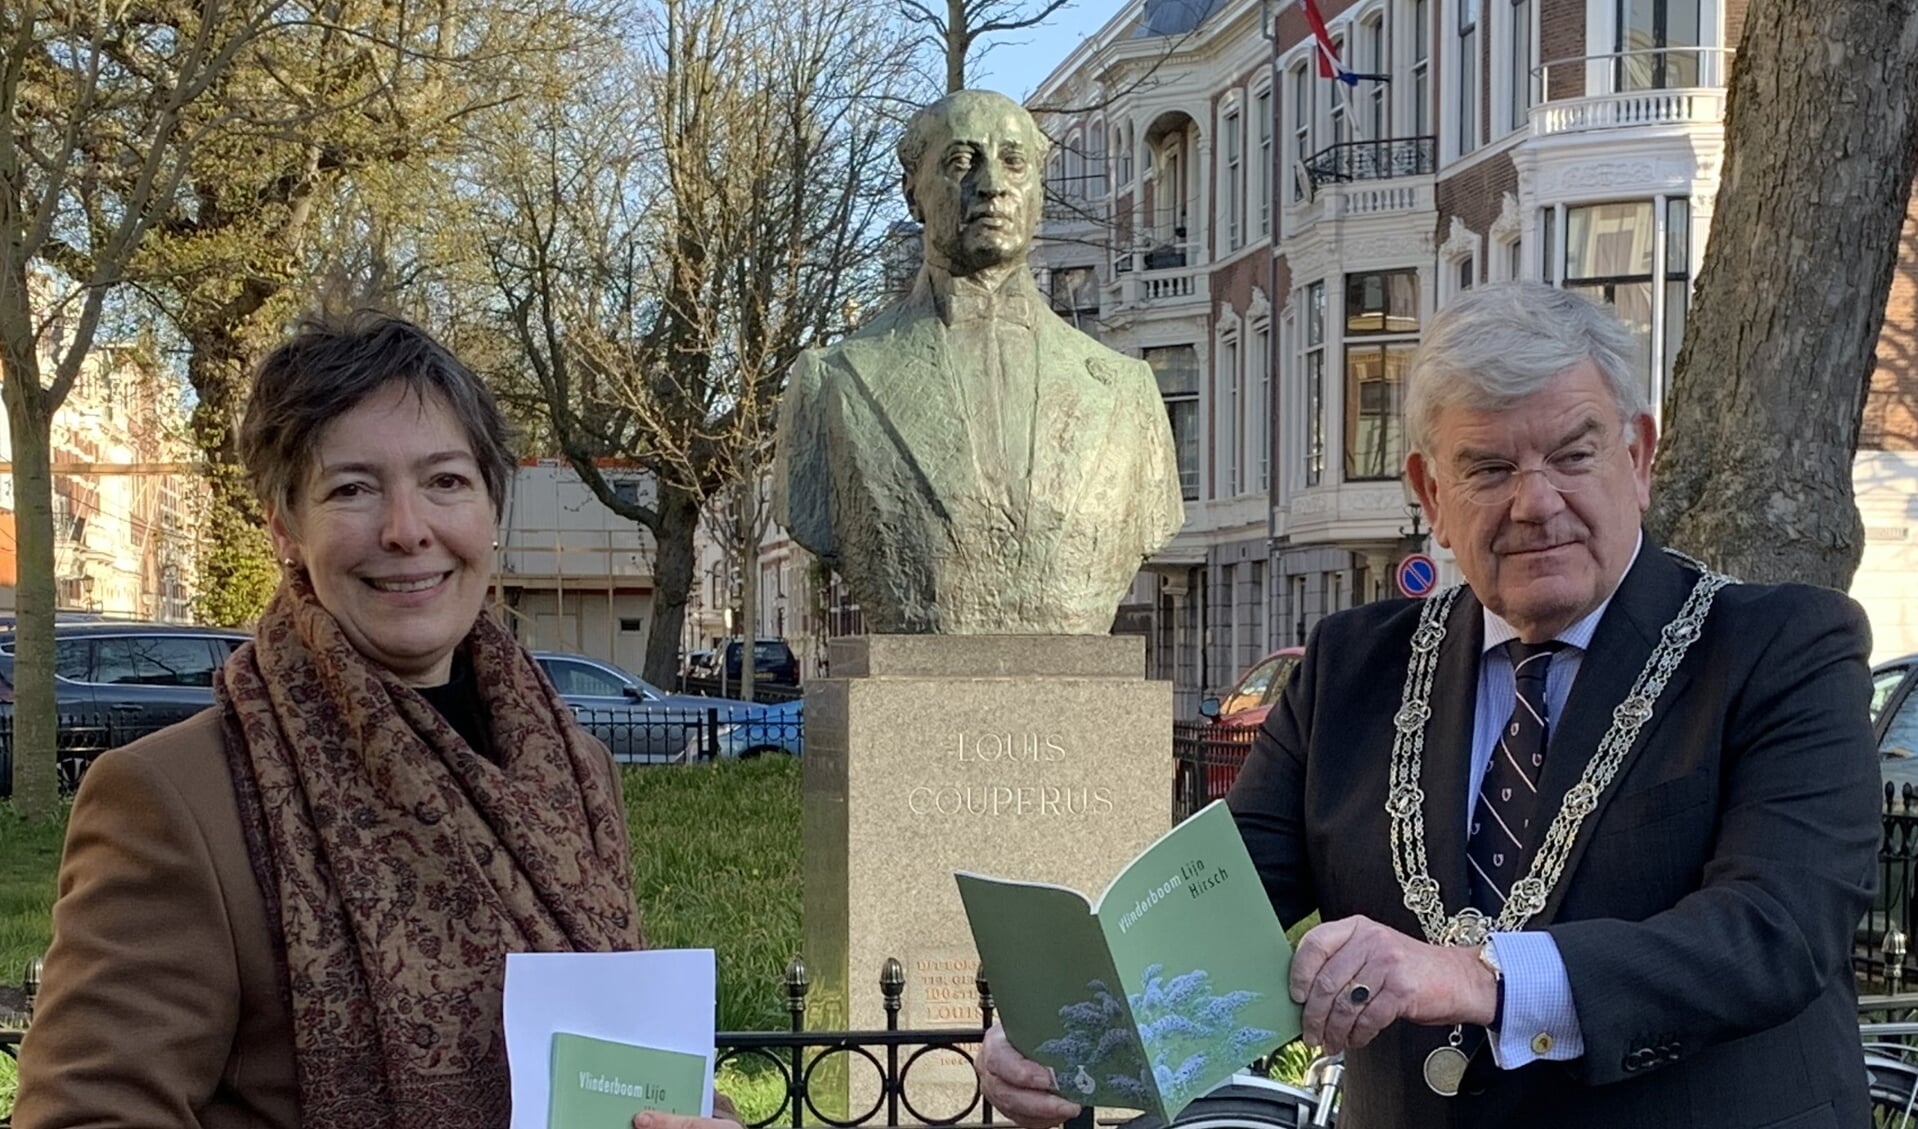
point(1706, 911)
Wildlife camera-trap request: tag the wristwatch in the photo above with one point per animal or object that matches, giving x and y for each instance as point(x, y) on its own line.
point(1488, 957)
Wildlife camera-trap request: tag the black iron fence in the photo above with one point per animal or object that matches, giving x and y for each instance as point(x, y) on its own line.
point(764, 689)
point(78, 739)
point(1385, 159)
point(1205, 761)
point(1882, 955)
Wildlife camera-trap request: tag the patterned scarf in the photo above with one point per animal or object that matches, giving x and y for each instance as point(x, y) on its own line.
point(401, 867)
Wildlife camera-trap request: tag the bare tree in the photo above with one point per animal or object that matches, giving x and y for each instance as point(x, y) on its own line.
point(956, 35)
point(375, 86)
point(101, 108)
point(1765, 404)
point(683, 226)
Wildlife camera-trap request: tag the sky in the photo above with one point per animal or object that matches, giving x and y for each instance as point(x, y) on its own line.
point(1019, 61)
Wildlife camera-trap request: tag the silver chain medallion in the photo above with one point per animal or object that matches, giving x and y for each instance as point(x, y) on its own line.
point(1445, 1066)
point(1405, 798)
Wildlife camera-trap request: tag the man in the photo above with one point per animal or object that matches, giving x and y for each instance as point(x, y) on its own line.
point(1589, 842)
point(969, 463)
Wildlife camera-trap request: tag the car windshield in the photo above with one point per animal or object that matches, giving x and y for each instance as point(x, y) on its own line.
point(769, 652)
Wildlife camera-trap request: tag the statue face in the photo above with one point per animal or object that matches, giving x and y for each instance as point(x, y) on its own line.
point(978, 188)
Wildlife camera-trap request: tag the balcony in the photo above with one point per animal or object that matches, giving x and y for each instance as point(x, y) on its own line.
point(1169, 274)
point(1669, 86)
point(1390, 158)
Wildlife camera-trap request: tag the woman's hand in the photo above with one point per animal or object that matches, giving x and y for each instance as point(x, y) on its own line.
point(725, 1116)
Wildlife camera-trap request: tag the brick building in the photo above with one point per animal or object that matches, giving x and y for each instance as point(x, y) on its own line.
point(1271, 243)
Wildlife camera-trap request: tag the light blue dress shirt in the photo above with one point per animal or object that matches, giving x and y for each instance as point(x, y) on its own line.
point(1538, 992)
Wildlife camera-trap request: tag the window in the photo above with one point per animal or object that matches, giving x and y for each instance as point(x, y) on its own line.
point(1301, 129)
point(72, 658)
point(627, 491)
point(1234, 181)
point(631, 623)
point(1902, 733)
point(1883, 683)
point(1678, 284)
point(1176, 368)
point(1421, 68)
point(1381, 333)
point(583, 680)
point(1122, 141)
point(1096, 164)
point(1514, 261)
point(1519, 91)
point(1258, 410)
point(163, 660)
point(1657, 44)
point(1610, 255)
point(1314, 383)
point(1231, 419)
point(1372, 61)
point(1262, 172)
point(1467, 76)
point(1548, 244)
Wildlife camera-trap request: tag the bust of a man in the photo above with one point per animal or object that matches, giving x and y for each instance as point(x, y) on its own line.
point(969, 463)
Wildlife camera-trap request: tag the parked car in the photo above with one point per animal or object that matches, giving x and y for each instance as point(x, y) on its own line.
point(638, 721)
point(117, 681)
point(1894, 717)
point(1245, 705)
point(781, 730)
point(773, 661)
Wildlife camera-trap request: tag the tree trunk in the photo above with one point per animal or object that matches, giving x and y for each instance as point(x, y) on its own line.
point(237, 570)
point(1769, 390)
point(672, 582)
point(956, 46)
point(35, 717)
point(748, 549)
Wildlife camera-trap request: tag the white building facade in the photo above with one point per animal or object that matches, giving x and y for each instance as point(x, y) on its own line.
point(1272, 242)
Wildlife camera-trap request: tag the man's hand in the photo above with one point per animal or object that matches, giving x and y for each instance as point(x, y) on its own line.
point(1015, 1085)
point(1403, 979)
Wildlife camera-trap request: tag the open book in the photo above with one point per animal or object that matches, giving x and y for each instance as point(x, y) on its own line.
point(1175, 979)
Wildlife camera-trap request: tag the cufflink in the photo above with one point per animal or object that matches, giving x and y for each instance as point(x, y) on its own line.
point(1541, 1044)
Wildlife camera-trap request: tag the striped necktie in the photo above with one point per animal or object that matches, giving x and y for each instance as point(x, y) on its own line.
point(1505, 817)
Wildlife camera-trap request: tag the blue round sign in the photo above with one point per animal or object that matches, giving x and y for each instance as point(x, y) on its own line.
point(1417, 575)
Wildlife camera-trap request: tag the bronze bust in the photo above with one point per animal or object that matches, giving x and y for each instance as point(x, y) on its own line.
point(968, 462)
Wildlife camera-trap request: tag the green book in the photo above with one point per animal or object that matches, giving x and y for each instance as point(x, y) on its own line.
point(600, 1084)
point(1174, 980)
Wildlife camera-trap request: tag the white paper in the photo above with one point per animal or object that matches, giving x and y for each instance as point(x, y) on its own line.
point(663, 998)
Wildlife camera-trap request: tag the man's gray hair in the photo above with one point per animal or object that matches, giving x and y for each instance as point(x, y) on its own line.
point(1495, 345)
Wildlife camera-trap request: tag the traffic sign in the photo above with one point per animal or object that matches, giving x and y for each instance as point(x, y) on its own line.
point(1417, 575)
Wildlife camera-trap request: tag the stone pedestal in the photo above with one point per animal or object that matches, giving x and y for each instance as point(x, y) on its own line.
point(1035, 757)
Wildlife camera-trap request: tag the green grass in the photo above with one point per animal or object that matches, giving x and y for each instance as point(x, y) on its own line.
point(29, 858)
point(716, 865)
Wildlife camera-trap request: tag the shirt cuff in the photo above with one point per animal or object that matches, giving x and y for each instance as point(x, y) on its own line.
point(1538, 1021)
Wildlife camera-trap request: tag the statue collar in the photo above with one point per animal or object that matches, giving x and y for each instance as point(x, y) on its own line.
point(960, 301)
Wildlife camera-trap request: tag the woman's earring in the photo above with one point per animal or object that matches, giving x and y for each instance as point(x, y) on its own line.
point(289, 562)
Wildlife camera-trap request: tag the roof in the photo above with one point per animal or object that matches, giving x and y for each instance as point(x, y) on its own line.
point(1173, 17)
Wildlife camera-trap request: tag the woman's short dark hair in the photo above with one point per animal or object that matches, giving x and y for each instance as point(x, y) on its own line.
point(328, 367)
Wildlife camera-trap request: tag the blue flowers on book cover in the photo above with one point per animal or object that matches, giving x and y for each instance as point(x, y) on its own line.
point(1185, 1035)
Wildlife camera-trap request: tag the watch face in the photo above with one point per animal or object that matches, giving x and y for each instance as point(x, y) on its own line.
point(1489, 958)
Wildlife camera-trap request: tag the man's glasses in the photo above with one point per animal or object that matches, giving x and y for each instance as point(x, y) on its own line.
point(1495, 482)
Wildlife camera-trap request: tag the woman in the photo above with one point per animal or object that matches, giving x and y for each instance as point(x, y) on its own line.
point(294, 908)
